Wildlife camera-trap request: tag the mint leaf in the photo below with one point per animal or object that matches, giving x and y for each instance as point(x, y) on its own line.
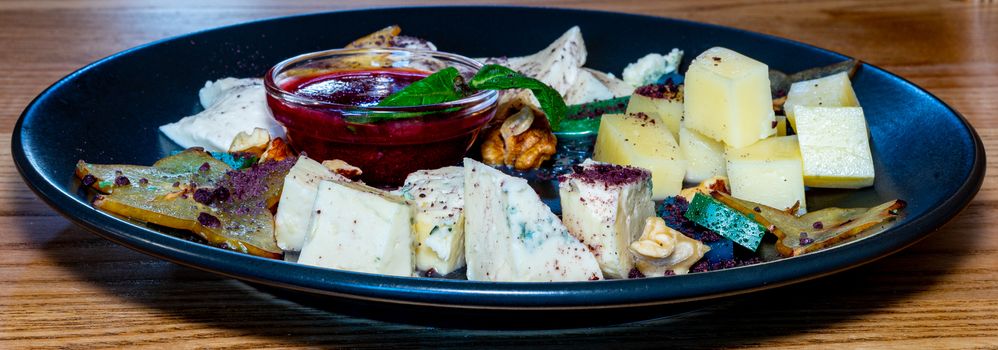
point(496, 77)
point(585, 118)
point(436, 88)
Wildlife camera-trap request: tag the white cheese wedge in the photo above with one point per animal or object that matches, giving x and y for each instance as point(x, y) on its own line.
point(617, 87)
point(438, 200)
point(359, 228)
point(643, 142)
point(832, 91)
point(294, 211)
point(587, 88)
point(768, 172)
point(835, 147)
point(727, 98)
point(230, 106)
point(704, 156)
point(605, 207)
point(511, 236)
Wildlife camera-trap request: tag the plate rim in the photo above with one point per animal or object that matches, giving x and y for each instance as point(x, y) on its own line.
point(441, 293)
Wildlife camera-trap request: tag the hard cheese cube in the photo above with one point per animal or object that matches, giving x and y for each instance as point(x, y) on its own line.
point(605, 207)
point(704, 156)
point(768, 172)
point(661, 101)
point(642, 142)
point(832, 91)
point(781, 125)
point(834, 146)
point(359, 228)
point(727, 98)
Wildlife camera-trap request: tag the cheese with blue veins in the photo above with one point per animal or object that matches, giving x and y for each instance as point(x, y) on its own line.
point(511, 236)
point(359, 228)
point(438, 200)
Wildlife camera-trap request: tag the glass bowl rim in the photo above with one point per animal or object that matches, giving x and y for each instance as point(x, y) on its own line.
point(479, 97)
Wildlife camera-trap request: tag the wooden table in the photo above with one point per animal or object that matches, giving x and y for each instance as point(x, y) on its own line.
point(61, 286)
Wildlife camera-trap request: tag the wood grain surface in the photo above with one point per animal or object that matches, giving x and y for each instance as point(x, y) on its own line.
point(62, 287)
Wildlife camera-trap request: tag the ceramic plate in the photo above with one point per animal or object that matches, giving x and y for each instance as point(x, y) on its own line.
point(108, 112)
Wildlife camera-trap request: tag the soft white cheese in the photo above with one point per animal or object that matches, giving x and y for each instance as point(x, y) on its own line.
point(294, 211)
point(648, 69)
point(511, 236)
point(230, 106)
point(359, 228)
point(438, 200)
point(607, 215)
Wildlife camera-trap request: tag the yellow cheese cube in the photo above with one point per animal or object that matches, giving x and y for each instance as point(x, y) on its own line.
point(768, 172)
point(704, 156)
point(664, 102)
point(832, 91)
point(781, 125)
point(642, 142)
point(727, 98)
point(834, 146)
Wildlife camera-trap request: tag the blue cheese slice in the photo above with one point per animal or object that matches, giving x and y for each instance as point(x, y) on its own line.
point(359, 228)
point(438, 200)
point(294, 211)
point(511, 236)
point(605, 207)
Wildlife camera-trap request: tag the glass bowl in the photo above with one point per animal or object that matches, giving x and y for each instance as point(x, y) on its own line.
point(349, 126)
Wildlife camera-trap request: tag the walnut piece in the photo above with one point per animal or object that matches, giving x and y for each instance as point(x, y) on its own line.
point(716, 183)
point(255, 143)
point(277, 150)
point(518, 146)
point(342, 168)
point(661, 249)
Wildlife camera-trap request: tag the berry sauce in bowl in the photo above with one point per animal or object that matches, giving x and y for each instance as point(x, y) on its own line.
point(328, 100)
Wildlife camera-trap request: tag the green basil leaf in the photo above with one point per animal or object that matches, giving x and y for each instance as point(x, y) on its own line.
point(436, 88)
point(496, 77)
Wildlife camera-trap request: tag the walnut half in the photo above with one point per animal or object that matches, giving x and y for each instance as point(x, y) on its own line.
point(523, 141)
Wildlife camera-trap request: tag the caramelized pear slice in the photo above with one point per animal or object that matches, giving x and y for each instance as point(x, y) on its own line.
point(380, 38)
point(193, 165)
point(815, 230)
point(196, 192)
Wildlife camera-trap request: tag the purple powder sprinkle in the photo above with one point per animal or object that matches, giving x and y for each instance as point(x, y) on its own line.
point(143, 181)
point(608, 174)
point(208, 220)
point(804, 240)
point(121, 181)
point(88, 180)
point(221, 194)
point(635, 273)
point(818, 225)
point(205, 167)
point(176, 184)
point(203, 196)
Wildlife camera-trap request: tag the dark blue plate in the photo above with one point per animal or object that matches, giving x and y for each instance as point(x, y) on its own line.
point(108, 112)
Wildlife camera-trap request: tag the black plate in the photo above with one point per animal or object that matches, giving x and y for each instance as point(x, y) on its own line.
point(107, 112)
